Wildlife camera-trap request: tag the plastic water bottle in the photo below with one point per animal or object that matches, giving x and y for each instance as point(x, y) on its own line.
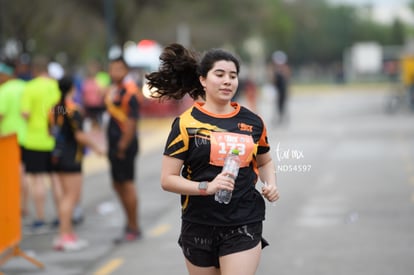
point(231, 167)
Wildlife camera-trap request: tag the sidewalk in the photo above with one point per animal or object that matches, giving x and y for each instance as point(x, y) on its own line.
point(153, 133)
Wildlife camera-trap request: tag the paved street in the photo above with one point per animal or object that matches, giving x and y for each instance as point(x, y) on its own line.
point(346, 177)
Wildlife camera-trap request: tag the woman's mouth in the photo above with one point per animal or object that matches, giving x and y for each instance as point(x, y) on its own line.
point(226, 91)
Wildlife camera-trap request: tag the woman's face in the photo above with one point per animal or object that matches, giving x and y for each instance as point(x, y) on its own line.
point(221, 82)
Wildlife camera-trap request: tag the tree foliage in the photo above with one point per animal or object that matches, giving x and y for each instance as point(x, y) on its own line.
point(308, 30)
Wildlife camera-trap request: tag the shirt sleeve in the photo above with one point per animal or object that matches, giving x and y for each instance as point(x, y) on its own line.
point(55, 96)
point(3, 105)
point(177, 142)
point(76, 121)
point(133, 110)
point(264, 146)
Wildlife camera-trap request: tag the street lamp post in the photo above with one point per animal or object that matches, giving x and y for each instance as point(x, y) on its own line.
point(109, 21)
point(2, 28)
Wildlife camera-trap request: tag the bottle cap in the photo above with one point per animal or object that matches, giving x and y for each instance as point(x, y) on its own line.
point(235, 151)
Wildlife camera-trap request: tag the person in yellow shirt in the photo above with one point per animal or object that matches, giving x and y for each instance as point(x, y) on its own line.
point(39, 97)
point(11, 121)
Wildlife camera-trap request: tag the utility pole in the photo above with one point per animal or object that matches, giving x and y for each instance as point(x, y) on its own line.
point(2, 28)
point(183, 34)
point(109, 22)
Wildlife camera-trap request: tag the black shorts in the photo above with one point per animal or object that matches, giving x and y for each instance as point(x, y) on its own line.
point(67, 160)
point(37, 162)
point(122, 169)
point(203, 245)
point(65, 165)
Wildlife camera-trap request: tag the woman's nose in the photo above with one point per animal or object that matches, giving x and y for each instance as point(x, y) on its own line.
point(227, 80)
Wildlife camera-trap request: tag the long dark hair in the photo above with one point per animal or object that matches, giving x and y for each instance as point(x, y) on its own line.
point(180, 70)
point(65, 85)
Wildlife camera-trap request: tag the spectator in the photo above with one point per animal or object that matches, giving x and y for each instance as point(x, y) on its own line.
point(93, 94)
point(39, 97)
point(11, 121)
point(122, 102)
point(67, 162)
point(281, 82)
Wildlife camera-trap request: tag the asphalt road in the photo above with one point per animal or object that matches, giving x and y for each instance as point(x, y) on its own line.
point(346, 177)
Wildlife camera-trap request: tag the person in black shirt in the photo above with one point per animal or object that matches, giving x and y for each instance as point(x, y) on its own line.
point(215, 238)
point(66, 126)
point(281, 83)
point(122, 102)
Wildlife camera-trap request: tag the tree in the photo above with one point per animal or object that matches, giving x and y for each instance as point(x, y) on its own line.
point(309, 31)
point(397, 33)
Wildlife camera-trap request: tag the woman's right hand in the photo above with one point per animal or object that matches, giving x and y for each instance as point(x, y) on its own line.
point(220, 182)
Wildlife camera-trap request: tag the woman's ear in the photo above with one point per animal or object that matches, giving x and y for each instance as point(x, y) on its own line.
point(202, 81)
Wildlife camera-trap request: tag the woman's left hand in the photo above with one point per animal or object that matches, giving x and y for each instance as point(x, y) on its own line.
point(270, 192)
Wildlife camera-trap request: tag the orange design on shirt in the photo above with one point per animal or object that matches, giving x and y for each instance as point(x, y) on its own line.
point(245, 127)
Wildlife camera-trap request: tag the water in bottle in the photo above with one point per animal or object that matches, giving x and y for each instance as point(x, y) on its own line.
point(231, 167)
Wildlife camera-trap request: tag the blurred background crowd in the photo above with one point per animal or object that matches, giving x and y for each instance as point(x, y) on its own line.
point(327, 41)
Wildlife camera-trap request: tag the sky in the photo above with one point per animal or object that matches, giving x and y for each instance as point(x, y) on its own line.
point(385, 10)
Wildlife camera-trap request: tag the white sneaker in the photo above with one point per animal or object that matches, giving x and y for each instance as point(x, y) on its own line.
point(69, 243)
point(75, 245)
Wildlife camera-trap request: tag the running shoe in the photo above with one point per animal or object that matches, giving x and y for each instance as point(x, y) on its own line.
point(128, 236)
point(55, 224)
point(69, 242)
point(37, 227)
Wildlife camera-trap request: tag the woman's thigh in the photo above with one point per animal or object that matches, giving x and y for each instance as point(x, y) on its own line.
point(71, 185)
point(197, 270)
point(241, 263)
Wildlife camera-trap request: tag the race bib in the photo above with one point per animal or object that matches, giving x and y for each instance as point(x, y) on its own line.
point(222, 143)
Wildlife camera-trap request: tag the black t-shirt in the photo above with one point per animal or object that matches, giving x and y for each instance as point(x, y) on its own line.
point(66, 121)
point(202, 140)
point(122, 104)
